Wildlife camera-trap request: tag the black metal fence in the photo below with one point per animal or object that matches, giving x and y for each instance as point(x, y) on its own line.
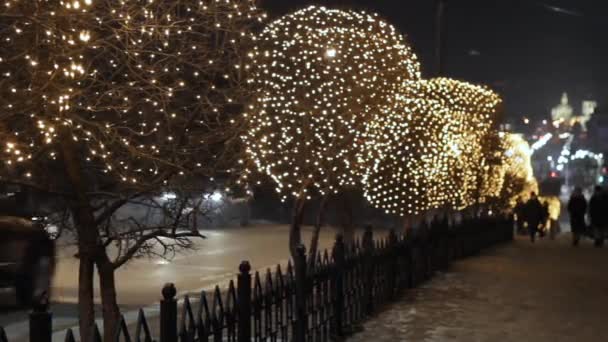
point(325, 301)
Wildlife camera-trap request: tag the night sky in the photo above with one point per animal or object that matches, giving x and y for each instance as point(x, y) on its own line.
point(529, 51)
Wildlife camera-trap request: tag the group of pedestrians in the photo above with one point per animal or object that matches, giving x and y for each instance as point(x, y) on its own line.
point(597, 208)
point(532, 214)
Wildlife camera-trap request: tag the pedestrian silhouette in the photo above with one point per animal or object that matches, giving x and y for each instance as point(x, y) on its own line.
point(534, 215)
point(520, 215)
point(577, 208)
point(598, 212)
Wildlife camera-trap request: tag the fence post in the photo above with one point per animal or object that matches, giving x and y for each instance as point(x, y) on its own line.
point(339, 256)
point(301, 322)
point(41, 321)
point(168, 314)
point(368, 259)
point(244, 302)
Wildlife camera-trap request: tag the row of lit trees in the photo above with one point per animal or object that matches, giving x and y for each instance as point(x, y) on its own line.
point(342, 104)
point(322, 76)
point(107, 103)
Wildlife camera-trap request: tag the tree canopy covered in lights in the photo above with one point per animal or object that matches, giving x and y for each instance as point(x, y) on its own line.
point(515, 173)
point(406, 156)
point(145, 89)
point(106, 103)
point(436, 156)
point(473, 112)
point(323, 74)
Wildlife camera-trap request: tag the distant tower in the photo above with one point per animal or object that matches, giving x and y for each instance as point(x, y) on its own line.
point(563, 111)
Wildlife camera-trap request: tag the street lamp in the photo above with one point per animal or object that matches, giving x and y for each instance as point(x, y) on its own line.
point(440, 37)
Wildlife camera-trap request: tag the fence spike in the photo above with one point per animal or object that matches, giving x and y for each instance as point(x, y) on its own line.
point(187, 323)
point(231, 300)
point(217, 314)
point(279, 283)
point(69, 336)
point(268, 285)
point(96, 334)
point(142, 324)
point(3, 335)
point(278, 271)
point(123, 331)
point(218, 306)
point(203, 317)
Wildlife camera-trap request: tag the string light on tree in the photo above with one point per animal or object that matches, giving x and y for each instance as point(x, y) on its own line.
point(473, 111)
point(139, 87)
point(106, 104)
point(406, 154)
point(516, 173)
point(322, 73)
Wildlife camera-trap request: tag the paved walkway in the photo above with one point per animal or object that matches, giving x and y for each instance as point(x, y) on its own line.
point(549, 291)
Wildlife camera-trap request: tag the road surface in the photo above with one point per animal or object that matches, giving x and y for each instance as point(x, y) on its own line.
point(215, 260)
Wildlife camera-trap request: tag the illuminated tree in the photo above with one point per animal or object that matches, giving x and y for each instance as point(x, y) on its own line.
point(473, 112)
point(322, 74)
point(406, 156)
point(105, 103)
point(429, 147)
point(515, 171)
point(493, 172)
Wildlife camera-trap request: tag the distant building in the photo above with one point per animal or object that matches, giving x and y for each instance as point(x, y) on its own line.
point(562, 112)
point(587, 111)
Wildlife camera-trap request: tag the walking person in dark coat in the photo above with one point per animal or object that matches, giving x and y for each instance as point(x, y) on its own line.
point(577, 208)
point(545, 219)
point(520, 215)
point(597, 214)
point(534, 215)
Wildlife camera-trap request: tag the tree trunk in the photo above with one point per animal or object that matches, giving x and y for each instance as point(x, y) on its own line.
point(408, 223)
point(295, 231)
point(314, 241)
point(87, 250)
point(86, 313)
point(88, 237)
point(107, 287)
point(348, 229)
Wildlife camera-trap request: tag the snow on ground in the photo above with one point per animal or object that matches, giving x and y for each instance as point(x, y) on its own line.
point(548, 291)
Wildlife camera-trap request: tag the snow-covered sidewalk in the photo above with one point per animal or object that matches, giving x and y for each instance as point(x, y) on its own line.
point(548, 291)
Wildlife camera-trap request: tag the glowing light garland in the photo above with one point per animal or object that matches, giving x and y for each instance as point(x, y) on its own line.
point(323, 74)
point(143, 88)
point(472, 111)
point(407, 156)
point(540, 143)
point(342, 103)
point(515, 172)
